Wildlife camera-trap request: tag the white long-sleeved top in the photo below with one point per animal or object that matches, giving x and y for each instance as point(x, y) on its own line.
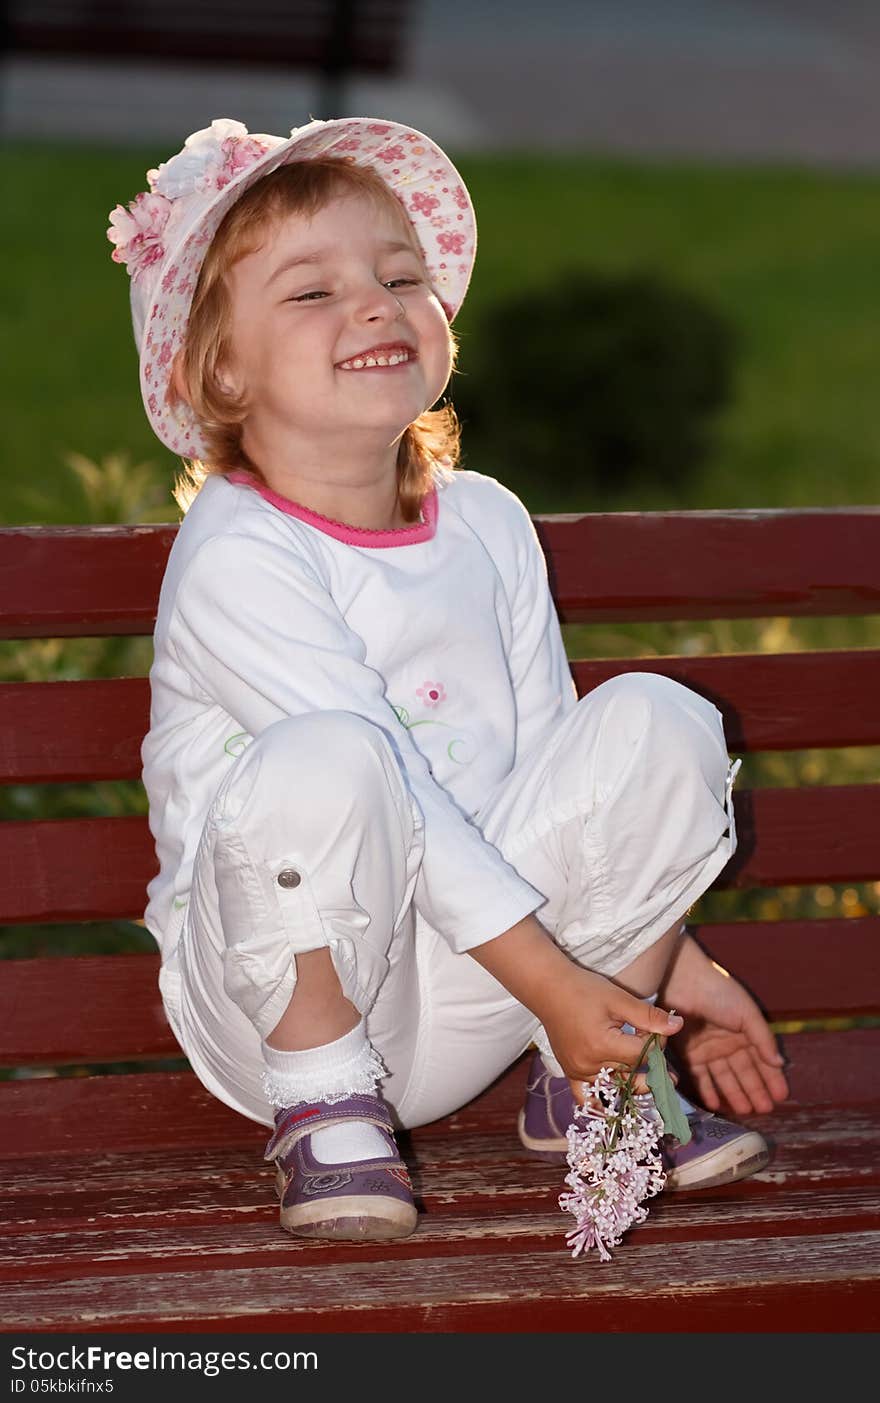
point(443, 634)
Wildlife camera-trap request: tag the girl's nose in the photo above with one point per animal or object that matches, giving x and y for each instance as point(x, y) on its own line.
point(381, 305)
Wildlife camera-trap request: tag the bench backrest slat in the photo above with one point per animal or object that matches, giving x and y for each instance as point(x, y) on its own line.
point(98, 868)
point(42, 1002)
point(75, 581)
point(67, 732)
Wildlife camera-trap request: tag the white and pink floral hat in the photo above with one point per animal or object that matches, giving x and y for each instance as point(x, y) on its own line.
point(164, 234)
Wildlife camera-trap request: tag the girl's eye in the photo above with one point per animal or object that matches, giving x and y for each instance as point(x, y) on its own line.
point(406, 282)
point(307, 296)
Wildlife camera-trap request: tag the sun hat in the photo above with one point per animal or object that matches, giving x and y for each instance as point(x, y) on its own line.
point(164, 234)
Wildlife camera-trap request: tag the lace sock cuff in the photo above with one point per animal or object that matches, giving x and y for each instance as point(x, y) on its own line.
point(329, 1073)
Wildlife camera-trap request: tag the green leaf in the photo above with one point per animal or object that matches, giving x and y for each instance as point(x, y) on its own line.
point(665, 1096)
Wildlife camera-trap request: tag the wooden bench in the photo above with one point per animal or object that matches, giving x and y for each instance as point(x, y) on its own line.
point(333, 38)
point(137, 1201)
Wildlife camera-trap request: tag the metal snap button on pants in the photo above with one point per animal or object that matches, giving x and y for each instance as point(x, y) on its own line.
point(621, 816)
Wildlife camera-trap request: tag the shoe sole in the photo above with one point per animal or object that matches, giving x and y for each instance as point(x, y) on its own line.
point(553, 1151)
point(356, 1217)
point(752, 1154)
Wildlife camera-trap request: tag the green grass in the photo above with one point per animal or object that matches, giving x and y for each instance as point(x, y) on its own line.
point(788, 255)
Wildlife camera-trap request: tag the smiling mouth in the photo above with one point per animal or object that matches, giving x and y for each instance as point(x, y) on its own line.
point(380, 357)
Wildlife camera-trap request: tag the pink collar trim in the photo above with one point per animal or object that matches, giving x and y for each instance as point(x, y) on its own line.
point(423, 530)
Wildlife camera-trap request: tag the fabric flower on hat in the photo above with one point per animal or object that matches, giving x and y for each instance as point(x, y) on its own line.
point(138, 232)
point(210, 159)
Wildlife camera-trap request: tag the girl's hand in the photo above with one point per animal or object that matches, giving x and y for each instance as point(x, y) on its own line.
point(583, 1020)
point(582, 1012)
point(726, 1045)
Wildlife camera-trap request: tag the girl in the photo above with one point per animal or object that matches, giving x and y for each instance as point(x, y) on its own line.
point(394, 847)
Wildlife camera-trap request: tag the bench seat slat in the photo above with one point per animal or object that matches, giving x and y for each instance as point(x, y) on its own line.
point(172, 1110)
point(836, 972)
point(802, 1283)
point(185, 1227)
point(225, 1181)
point(68, 732)
point(55, 870)
point(604, 567)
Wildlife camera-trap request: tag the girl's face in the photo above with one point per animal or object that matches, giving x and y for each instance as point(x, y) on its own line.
point(308, 308)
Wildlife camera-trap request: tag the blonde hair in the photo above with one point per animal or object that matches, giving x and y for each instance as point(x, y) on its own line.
point(431, 442)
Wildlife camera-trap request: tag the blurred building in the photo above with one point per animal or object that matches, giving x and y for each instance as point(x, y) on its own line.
point(790, 80)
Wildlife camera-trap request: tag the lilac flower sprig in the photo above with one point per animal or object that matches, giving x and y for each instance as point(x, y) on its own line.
point(614, 1153)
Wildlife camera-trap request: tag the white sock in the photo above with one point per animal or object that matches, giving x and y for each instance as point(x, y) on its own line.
point(330, 1073)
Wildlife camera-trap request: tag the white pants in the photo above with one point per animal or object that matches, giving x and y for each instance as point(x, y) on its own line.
point(622, 818)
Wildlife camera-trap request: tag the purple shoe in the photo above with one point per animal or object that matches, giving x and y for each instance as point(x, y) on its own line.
point(368, 1199)
point(718, 1152)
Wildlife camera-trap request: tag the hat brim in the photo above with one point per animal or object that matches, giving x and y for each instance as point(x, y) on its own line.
point(427, 184)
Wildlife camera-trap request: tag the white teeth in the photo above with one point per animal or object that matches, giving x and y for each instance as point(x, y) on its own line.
point(396, 358)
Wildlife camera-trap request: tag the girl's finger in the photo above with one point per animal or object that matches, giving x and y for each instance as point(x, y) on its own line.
point(729, 1087)
point(706, 1092)
point(759, 1034)
point(751, 1080)
point(775, 1081)
point(626, 1048)
point(645, 1018)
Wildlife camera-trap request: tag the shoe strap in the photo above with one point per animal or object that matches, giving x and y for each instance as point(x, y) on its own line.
point(293, 1122)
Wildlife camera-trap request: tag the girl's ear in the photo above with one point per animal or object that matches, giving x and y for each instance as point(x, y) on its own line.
point(227, 379)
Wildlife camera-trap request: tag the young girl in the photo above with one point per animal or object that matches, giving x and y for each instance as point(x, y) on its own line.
point(394, 847)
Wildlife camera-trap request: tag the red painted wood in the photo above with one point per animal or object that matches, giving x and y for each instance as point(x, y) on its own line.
point(827, 1155)
point(42, 1003)
point(136, 1111)
point(782, 701)
point(66, 581)
point(816, 1149)
point(714, 564)
point(114, 1232)
point(54, 870)
point(760, 1284)
point(796, 969)
point(168, 1227)
point(98, 869)
point(802, 969)
point(53, 732)
point(78, 581)
point(71, 732)
point(827, 833)
point(172, 1110)
point(187, 1252)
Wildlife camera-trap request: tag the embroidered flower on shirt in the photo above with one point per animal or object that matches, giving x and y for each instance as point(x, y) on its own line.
point(431, 693)
point(236, 743)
